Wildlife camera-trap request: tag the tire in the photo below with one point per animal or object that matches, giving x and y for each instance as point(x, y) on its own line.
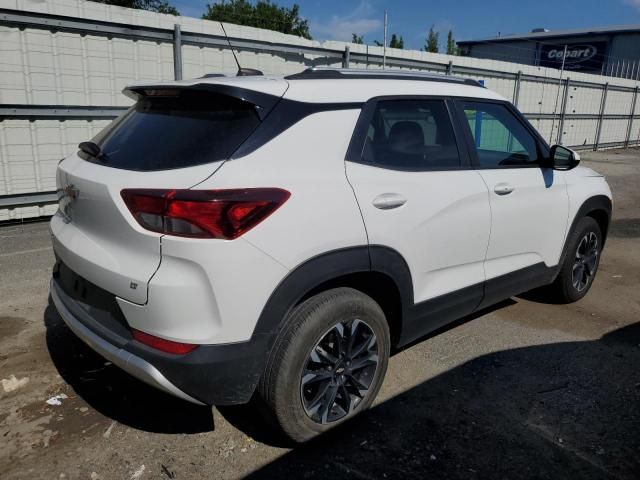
point(570, 285)
point(309, 341)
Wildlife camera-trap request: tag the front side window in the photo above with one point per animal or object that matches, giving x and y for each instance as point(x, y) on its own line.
point(411, 134)
point(501, 140)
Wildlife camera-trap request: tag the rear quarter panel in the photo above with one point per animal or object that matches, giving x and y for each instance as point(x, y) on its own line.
point(307, 160)
point(214, 291)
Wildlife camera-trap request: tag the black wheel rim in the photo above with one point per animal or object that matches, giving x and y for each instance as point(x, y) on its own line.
point(339, 371)
point(585, 262)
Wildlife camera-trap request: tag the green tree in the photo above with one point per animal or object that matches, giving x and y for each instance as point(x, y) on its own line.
point(159, 6)
point(357, 39)
point(452, 47)
point(377, 43)
point(396, 42)
point(264, 14)
point(432, 41)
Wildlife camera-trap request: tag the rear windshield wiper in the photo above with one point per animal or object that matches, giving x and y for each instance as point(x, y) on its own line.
point(93, 150)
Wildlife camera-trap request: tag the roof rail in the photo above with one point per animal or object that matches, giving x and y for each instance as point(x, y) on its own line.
point(317, 73)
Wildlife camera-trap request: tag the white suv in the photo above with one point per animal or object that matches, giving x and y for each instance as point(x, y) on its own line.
point(280, 236)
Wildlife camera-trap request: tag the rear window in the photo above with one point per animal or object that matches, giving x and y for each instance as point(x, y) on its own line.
point(183, 129)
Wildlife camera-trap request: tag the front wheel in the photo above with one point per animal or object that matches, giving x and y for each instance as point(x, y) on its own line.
point(329, 363)
point(581, 262)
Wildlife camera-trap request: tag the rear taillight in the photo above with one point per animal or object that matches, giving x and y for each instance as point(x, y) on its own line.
point(163, 345)
point(224, 214)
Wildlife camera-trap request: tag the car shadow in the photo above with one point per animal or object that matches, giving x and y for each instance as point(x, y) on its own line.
point(121, 397)
point(113, 392)
point(564, 410)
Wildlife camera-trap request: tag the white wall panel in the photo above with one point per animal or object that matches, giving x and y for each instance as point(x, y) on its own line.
point(634, 138)
point(618, 103)
point(584, 100)
point(29, 154)
point(579, 132)
point(613, 131)
point(40, 67)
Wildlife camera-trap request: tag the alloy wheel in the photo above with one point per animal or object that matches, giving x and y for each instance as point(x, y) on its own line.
point(339, 371)
point(585, 261)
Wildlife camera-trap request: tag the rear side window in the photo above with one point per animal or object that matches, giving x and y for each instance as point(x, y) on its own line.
point(186, 129)
point(411, 134)
point(501, 139)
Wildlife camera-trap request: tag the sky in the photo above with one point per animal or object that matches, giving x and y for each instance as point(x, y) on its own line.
point(469, 19)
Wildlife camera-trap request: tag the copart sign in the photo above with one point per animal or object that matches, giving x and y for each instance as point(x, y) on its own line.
point(584, 57)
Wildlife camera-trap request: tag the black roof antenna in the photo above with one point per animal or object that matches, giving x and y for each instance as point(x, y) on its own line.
point(242, 72)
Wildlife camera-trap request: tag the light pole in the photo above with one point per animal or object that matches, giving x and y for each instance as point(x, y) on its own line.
point(384, 46)
point(555, 107)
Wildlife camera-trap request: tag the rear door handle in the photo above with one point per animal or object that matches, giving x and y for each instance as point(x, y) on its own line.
point(503, 188)
point(387, 201)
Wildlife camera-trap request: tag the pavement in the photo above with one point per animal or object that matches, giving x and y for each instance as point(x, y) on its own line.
point(523, 390)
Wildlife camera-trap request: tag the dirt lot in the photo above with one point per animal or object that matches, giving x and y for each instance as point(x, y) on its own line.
point(526, 390)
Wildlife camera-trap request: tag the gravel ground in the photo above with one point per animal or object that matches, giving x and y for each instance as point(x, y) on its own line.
point(526, 390)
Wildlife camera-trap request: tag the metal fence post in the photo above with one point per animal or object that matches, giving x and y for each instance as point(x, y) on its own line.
point(563, 111)
point(601, 114)
point(177, 52)
point(346, 57)
point(450, 68)
point(516, 88)
point(633, 110)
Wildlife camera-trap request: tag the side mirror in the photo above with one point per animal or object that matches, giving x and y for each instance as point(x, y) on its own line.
point(563, 158)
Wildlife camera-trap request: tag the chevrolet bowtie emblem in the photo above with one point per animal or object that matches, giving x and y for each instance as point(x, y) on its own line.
point(71, 192)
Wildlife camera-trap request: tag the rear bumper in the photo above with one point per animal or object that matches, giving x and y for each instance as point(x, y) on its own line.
point(132, 364)
point(210, 375)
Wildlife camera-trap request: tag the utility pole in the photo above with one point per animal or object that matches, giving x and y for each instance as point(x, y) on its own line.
point(384, 46)
point(564, 58)
point(553, 121)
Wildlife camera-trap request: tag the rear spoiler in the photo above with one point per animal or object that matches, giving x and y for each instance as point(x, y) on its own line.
point(262, 102)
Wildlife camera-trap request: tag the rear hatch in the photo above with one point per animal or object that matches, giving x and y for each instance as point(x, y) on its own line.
point(172, 138)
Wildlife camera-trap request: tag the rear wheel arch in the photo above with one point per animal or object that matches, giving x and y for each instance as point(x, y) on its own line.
point(379, 286)
point(376, 271)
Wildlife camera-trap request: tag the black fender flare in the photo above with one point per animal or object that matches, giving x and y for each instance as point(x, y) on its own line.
point(326, 267)
point(592, 204)
point(314, 272)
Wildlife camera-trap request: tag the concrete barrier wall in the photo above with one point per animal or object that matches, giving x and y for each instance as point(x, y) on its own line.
point(64, 64)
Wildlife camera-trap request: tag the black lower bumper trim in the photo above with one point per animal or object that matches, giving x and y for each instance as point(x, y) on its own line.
point(224, 374)
point(214, 374)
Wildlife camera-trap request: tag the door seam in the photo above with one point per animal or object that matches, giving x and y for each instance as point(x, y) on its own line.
point(486, 253)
